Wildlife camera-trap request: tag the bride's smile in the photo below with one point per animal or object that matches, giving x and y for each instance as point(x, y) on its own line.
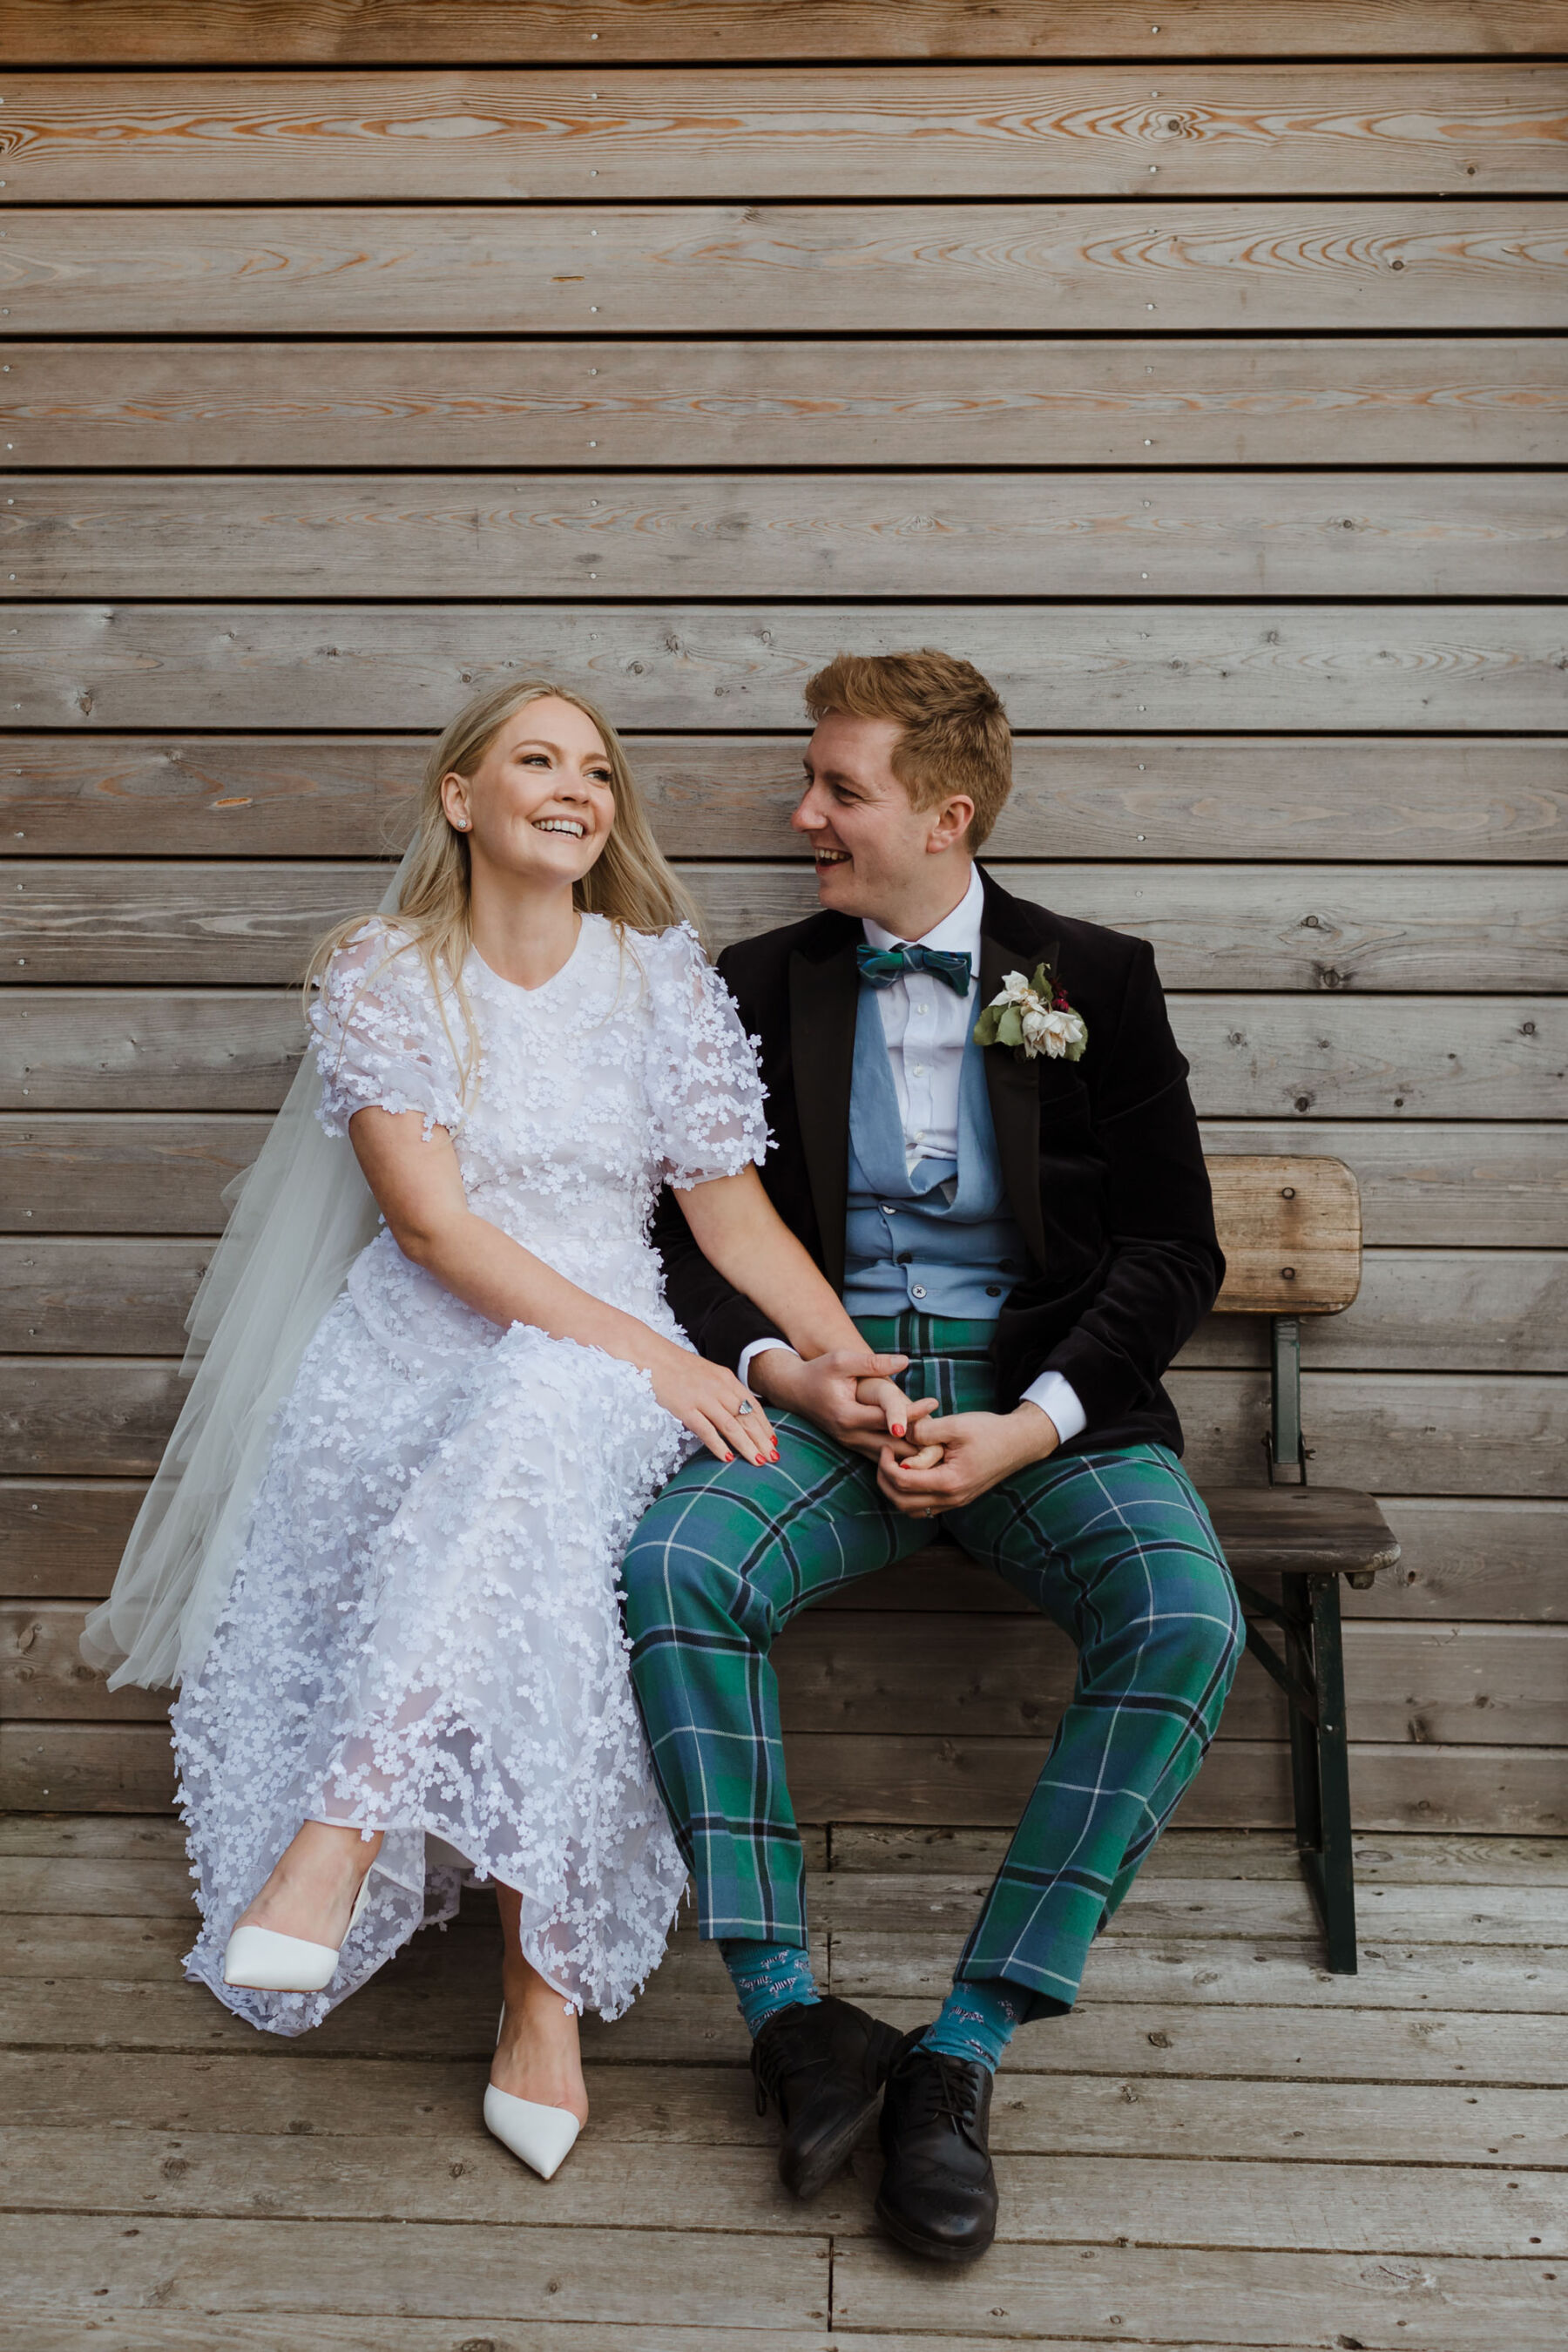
point(536, 813)
point(540, 807)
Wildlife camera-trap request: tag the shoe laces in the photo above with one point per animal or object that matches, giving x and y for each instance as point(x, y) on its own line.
point(772, 2060)
point(945, 2087)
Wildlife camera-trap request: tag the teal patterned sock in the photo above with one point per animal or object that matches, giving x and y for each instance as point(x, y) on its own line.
point(976, 2022)
point(767, 1978)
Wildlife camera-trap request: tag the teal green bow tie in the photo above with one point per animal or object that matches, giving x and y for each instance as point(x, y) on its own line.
point(881, 966)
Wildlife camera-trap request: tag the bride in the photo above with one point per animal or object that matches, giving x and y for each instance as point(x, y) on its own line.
point(418, 1670)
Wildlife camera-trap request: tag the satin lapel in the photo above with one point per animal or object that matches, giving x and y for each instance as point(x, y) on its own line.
point(823, 999)
point(1014, 1095)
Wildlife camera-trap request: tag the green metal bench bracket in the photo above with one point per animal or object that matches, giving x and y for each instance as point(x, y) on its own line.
point(1286, 1445)
point(1310, 1673)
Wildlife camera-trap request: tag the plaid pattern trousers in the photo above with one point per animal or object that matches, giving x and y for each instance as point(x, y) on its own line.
point(1116, 1547)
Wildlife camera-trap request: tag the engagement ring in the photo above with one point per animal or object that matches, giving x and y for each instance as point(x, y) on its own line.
point(743, 1409)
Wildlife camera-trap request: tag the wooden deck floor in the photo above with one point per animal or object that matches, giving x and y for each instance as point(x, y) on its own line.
point(1222, 2146)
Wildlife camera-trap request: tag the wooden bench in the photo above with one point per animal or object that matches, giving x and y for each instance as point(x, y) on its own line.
point(1290, 1229)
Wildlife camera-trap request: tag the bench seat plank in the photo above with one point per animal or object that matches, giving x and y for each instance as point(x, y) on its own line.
point(1327, 1530)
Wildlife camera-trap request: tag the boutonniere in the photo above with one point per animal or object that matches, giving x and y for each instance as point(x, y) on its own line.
point(1034, 1017)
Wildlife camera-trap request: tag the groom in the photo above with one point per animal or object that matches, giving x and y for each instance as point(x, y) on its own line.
point(1025, 1224)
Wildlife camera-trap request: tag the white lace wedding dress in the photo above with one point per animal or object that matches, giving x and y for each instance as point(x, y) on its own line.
point(423, 1636)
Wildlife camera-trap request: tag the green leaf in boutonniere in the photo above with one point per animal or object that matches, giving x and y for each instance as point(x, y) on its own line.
point(1033, 1017)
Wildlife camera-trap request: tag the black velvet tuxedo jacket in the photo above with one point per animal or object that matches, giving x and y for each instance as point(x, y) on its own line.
point(1101, 1160)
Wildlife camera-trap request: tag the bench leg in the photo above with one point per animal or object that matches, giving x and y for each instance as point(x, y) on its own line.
point(1305, 1785)
point(1334, 1778)
point(1319, 1762)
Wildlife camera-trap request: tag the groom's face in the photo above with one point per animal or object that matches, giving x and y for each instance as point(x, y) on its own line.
point(871, 848)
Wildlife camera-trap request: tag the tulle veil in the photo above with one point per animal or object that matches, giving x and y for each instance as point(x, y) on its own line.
point(299, 1217)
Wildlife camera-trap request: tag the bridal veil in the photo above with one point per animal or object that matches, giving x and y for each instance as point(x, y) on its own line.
point(301, 1215)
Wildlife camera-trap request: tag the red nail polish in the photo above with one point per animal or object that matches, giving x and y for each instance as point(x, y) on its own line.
point(898, 1429)
point(729, 1457)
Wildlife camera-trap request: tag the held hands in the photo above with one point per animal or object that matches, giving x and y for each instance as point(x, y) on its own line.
point(847, 1391)
point(926, 1462)
point(961, 1456)
point(708, 1399)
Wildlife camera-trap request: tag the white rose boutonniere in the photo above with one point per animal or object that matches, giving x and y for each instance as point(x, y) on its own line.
point(1033, 1017)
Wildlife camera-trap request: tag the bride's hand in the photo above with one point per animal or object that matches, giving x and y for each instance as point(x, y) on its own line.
point(918, 1452)
point(900, 1412)
point(707, 1398)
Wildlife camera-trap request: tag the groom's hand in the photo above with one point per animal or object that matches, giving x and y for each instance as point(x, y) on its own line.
point(978, 1451)
point(823, 1389)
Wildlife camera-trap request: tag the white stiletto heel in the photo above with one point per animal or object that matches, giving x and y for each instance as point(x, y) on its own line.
point(542, 2137)
point(264, 1961)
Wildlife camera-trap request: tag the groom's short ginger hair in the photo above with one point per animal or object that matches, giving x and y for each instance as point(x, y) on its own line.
point(955, 735)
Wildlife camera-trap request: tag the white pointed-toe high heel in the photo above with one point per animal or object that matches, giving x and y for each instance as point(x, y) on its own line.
point(264, 1961)
point(543, 2138)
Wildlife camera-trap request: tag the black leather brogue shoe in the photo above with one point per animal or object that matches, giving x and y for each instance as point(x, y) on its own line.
point(939, 2193)
point(822, 2063)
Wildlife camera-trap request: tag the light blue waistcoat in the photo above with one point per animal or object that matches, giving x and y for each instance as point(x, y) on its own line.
point(943, 1240)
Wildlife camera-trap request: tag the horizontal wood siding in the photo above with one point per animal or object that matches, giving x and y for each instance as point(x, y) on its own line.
point(1267, 266)
point(1137, 665)
point(1468, 800)
point(1316, 927)
point(1197, 372)
point(100, 33)
point(871, 133)
point(1497, 400)
point(319, 536)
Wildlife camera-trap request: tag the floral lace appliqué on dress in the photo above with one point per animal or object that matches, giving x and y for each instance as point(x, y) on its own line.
point(424, 1633)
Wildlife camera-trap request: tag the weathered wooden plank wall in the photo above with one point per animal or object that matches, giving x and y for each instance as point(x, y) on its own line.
point(1204, 380)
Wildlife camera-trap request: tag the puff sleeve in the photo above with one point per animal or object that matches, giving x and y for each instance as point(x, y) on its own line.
point(703, 1087)
point(379, 1038)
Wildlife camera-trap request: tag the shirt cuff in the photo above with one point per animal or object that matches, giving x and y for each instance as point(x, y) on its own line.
point(1054, 1395)
point(760, 1347)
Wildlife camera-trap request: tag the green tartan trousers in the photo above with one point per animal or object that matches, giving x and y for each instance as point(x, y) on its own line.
point(1116, 1547)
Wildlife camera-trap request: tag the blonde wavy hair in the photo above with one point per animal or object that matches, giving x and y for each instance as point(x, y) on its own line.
point(630, 883)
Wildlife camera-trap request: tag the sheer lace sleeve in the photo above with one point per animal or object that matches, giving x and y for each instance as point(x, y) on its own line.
point(703, 1075)
point(379, 1038)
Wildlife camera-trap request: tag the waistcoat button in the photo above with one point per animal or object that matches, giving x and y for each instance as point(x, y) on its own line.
point(917, 1290)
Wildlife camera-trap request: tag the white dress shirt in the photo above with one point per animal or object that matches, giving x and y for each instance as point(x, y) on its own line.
point(927, 1026)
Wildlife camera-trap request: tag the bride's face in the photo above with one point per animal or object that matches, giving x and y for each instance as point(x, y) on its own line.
point(542, 801)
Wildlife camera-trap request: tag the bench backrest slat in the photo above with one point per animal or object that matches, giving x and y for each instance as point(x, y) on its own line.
point(1290, 1230)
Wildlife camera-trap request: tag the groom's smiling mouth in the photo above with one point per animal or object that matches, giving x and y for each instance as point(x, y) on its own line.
point(825, 856)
